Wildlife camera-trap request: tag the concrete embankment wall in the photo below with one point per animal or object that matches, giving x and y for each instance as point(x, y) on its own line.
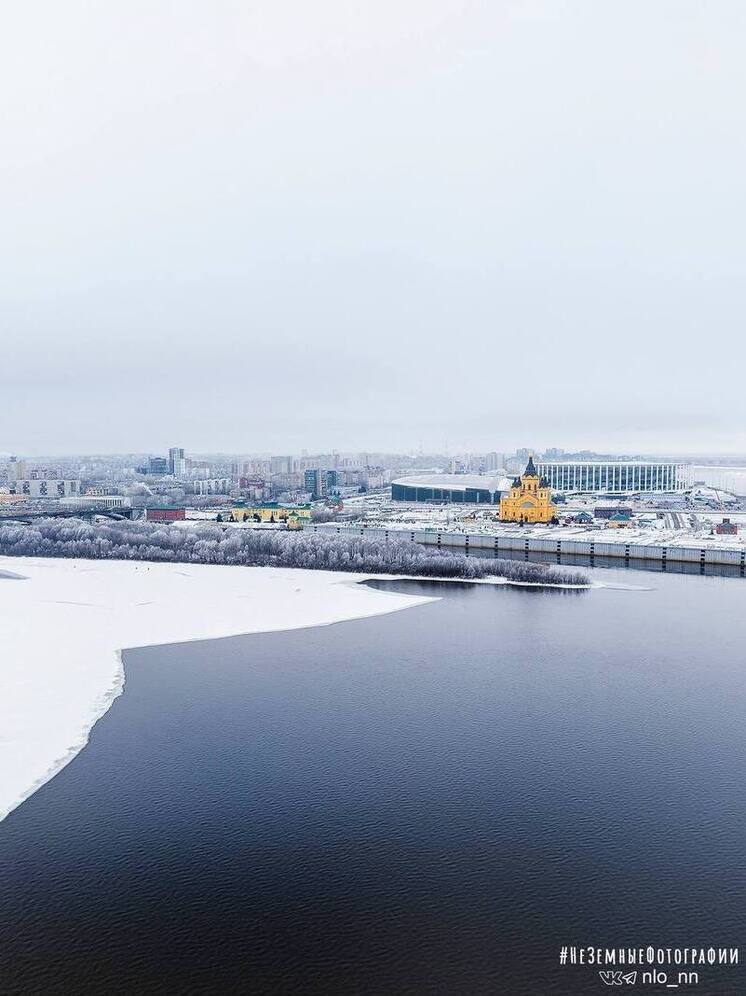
point(551, 548)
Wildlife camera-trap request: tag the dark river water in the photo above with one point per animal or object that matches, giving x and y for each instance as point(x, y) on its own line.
point(434, 801)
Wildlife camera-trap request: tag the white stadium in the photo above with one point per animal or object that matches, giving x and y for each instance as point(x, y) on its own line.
point(616, 476)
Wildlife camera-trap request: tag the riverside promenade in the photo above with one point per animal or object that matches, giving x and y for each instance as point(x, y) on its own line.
point(513, 543)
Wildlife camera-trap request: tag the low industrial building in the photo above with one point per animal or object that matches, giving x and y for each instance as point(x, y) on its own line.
point(619, 520)
point(165, 514)
point(211, 486)
point(616, 476)
point(8, 499)
point(271, 512)
point(95, 501)
point(726, 528)
point(474, 489)
point(606, 511)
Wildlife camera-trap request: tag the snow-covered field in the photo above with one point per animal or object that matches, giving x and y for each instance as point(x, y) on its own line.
point(677, 527)
point(63, 624)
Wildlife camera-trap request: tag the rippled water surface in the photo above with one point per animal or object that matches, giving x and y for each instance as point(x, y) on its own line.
point(433, 801)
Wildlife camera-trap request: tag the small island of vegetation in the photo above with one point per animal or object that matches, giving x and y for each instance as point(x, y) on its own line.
point(222, 544)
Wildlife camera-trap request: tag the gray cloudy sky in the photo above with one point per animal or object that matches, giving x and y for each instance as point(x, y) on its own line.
point(279, 224)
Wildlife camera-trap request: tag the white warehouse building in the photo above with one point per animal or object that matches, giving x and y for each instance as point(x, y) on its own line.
point(96, 501)
point(616, 476)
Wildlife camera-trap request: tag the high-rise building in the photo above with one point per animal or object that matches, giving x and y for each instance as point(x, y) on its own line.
point(158, 465)
point(256, 466)
point(17, 469)
point(314, 480)
point(44, 488)
point(281, 465)
point(176, 461)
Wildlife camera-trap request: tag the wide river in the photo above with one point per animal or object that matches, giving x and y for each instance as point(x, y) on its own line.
point(433, 801)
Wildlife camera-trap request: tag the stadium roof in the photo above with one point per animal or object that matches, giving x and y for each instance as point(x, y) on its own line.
point(564, 462)
point(456, 482)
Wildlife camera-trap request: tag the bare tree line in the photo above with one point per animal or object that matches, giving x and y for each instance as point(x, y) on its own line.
point(217, 544)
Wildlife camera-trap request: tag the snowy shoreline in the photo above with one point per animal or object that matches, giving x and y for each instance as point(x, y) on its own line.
point(65, 623)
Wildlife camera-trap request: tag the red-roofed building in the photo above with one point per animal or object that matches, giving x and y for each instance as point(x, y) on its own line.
point(726, 528)
point(165, 514)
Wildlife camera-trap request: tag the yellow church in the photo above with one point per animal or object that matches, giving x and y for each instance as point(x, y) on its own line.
point(529, 499)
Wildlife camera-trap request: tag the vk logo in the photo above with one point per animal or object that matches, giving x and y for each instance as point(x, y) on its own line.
point(618, 978)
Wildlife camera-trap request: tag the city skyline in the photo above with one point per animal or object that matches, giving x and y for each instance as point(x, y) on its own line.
point(551, 452)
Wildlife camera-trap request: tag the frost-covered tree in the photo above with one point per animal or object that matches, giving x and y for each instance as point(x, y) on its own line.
point(219, 544)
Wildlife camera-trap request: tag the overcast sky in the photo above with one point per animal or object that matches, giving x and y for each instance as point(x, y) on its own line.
point(276, 224)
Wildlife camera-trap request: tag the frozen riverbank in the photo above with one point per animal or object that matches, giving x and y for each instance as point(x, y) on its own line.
point(63, 624)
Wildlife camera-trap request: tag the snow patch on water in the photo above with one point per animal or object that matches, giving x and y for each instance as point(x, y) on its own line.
point(63, 631)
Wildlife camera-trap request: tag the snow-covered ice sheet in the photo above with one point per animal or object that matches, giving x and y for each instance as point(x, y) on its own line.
point(63, 624)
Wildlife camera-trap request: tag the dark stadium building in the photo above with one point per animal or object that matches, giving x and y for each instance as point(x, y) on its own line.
point(469, 489)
